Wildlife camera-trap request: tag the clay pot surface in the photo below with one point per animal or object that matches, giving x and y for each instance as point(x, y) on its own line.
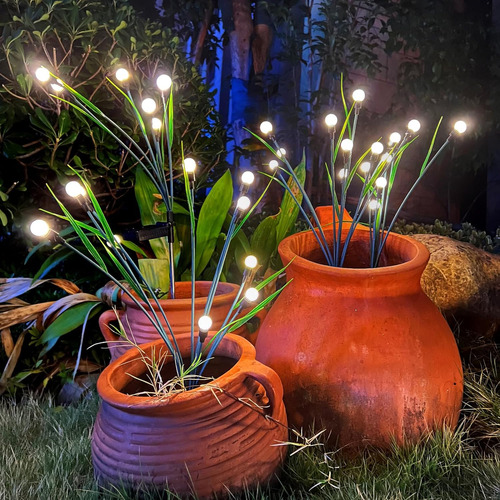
point(139, 329)
point(362, 352)
point(197, 442)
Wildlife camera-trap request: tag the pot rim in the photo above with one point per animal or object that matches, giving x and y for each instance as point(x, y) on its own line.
point(228, 293)
point(288, 252)
point(116, 398)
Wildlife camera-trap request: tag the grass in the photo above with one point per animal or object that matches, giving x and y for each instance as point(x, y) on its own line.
point(45, 455)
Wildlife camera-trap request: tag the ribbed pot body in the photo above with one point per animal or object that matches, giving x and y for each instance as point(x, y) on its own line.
point(140, 330)
point(200, 441)
point(362, 352)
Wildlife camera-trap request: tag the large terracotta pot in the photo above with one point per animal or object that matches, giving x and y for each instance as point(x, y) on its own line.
point(361, 352)
point(178, 311)
point(200, 441)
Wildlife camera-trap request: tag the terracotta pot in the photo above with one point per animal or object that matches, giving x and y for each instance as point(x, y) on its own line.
point(178, 311)
point(362, 352)
point(200, 441)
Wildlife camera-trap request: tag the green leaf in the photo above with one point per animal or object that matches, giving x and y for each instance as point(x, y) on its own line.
point(150, 210)
point(289, 209)
point(69, 320)
point(156, 273)
point(211, 218)
point(52, 261)
point(263, 240)
point(64, 122)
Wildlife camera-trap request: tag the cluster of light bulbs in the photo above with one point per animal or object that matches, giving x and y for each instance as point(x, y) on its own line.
point(251, 295)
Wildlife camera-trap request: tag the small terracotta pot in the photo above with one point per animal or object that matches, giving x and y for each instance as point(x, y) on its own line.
point(200, 441)
point(361, 352)
point(178, 311)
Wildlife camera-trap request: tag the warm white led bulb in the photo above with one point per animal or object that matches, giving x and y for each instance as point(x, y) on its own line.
point(56, 87)
point(273, 164)
point(414, 125)
point(365, 167)
point(204, 323)
point(251, 261)
point(377, 148)
point(460, 126)
point(266, 127)
point(243, 202)
point(42, 74)
point(373, 205)
point(74, 189)
point(252, 294)
point(394, 138)
point(189, 165)
point(358, 95)
point(247, 178)
point(156, 124)
point(164, 82)
point(346, 145)
point(148, 105)
point(281, 152)
point(386, 157)
point(122, 74)
point(118, 238)
point(39, 228)
point(331, 120)
point(381, 182)
point(343, 173)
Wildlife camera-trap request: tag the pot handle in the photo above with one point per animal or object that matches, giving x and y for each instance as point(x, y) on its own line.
point(104, 324)
point(271, 383)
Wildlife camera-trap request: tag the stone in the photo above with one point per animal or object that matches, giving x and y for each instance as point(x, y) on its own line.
point(464, 282)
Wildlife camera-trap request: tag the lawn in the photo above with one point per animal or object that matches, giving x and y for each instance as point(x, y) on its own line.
point(45, 454)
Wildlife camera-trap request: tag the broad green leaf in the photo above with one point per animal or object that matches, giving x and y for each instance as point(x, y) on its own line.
point(263, 240)
point(211, 218)
point(149, 208)
point(64, 122)
point(289, 209)
point(52, 261)
point(156, 273)
point(69, 320)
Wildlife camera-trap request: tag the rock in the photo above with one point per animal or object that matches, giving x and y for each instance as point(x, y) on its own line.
point(464, 282)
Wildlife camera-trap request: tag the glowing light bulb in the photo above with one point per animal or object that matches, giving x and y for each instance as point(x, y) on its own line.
point(42, 74)
point(56, 87)
point(74, 189)
point(331, 120)
point(247, 178)
point(414, 125)
point(394, 138)
point(39, 228)
point(204, 323)
point(346, 145)
point(358, 95)
point(251, 262)
point(266, 127)
point(164, 82)
point(243, 203)
point(189, 165)
point(386, 157)
point(252, 294)
point(373, 205)
point(377, 148)
point(281, 152)
point(148, 105)
point(365, 167)
point(273, 164)
point(118, 238)
point(381, 182)
point(343, 173)
point(460, 126)
point(156, 124)
point(122, 74)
